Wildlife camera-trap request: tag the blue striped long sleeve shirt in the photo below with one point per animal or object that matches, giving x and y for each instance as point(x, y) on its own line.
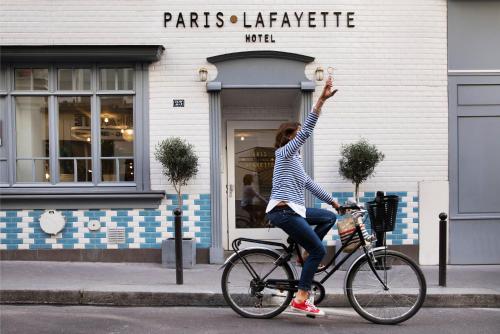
point(289, 177)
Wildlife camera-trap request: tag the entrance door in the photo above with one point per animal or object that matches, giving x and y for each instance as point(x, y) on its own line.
point(474, 103)
point(250, 151)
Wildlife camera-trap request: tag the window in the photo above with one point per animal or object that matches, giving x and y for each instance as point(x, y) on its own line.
point(31, 79)
point(32, 139)
point(117, 138)
point(73, 79)
point(72, 125)
point(116, 78)
point(75, 132)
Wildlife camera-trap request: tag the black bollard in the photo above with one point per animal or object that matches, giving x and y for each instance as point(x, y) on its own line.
point(380, 235)
point(442, 248)
point(178, 246)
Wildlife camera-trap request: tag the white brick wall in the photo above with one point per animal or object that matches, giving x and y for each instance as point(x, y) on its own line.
point(391, 72)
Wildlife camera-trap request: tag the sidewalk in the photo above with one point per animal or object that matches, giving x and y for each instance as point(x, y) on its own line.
point(146, 284)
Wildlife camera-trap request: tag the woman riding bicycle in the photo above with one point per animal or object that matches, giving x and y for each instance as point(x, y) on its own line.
point(286, 208)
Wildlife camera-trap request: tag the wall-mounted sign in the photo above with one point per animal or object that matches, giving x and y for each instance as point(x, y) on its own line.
point(178, 103)
point(270, 20)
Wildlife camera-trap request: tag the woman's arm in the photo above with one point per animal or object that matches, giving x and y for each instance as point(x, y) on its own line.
point(293, 145)
point(325, 95)
point(319, 192)
point(305, 132)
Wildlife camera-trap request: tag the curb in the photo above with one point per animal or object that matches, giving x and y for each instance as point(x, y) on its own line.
point(117, 298)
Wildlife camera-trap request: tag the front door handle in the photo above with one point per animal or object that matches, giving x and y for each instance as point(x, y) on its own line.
point(230, 189)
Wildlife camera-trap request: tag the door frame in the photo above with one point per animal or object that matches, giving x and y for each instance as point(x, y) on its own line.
point(265, 69)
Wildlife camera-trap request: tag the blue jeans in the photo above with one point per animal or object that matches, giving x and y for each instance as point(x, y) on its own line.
point(299, 228)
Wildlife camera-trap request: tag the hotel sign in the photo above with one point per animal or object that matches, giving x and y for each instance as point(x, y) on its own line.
point(270, 20)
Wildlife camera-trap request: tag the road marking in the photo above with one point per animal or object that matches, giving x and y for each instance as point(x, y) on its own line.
point(328, 312)
point(335, 311)
point(487, 309)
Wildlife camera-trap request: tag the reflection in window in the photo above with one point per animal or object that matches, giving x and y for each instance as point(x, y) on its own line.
point(117, 138)
point(31, 79)
point(75, 164)
point(73, 78)
point(253, 167)
point(32, 139)
point(116, 78)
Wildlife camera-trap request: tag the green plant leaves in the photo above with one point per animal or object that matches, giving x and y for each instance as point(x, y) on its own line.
point(178, 159)
point(358, 161)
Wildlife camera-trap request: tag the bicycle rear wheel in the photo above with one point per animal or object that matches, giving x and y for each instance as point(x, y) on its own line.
point(249, 296)
point(404, 280)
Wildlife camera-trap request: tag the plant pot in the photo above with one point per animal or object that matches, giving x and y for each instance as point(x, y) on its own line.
point(188, 253)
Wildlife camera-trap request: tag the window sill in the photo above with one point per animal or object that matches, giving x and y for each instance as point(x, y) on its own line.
point(84, 199)
point(73, 185)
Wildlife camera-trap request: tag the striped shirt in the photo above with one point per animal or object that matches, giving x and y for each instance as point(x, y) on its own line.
point(289, 177)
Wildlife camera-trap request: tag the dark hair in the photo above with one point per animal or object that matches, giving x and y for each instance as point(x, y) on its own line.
point(284, 132)
point(247, 179)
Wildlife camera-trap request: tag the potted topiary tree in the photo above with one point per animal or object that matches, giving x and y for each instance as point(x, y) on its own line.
point(358, 162)
point(180, 164)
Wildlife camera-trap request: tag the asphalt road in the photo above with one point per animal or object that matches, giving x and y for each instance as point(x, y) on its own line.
point(87, 319)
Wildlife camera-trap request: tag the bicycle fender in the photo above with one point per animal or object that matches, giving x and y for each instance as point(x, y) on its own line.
point(359, 259)
point(235, 254)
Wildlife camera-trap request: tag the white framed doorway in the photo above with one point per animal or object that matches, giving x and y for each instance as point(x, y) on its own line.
point(250, 164)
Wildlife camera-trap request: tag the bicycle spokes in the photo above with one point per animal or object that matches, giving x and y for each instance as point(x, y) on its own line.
point(255, 296)
point(388, 291)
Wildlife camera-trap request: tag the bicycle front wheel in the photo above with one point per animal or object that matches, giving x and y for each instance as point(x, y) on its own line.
point(250, 296)
point(403, 295)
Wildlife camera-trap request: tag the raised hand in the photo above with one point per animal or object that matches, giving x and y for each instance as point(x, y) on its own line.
point(328, 90)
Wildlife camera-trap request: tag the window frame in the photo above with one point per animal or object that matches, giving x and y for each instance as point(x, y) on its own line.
point(140, 120)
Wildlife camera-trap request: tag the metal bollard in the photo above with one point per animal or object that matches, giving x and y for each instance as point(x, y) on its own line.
point(442, 248)
point(380, 235)
point(178, 246)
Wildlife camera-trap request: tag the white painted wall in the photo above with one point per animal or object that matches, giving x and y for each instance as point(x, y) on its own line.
point(391, 73)
point(433, 200)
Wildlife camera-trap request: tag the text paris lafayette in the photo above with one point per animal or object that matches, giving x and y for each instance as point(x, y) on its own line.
point(261, 20)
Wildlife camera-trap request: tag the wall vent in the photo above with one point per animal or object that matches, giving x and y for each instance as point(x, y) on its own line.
point(116, 235)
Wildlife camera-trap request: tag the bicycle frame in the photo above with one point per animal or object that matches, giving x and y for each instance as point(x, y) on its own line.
point(288, 252)
point(338, 265)
point(284, 257)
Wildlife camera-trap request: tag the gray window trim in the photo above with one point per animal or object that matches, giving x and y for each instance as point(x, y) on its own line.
point(4, 136)
point(13, 193)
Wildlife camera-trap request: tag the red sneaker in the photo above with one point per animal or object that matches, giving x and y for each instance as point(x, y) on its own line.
point(307, 307)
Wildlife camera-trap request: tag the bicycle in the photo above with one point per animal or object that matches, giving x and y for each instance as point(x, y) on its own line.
point(383, 286)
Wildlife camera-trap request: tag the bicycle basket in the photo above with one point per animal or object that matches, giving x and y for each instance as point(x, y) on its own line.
point(383, 213)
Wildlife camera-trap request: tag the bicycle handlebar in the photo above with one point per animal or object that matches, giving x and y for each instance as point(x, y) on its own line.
point(342, 209)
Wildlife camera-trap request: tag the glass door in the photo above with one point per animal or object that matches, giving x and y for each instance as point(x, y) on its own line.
point(250, 149)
